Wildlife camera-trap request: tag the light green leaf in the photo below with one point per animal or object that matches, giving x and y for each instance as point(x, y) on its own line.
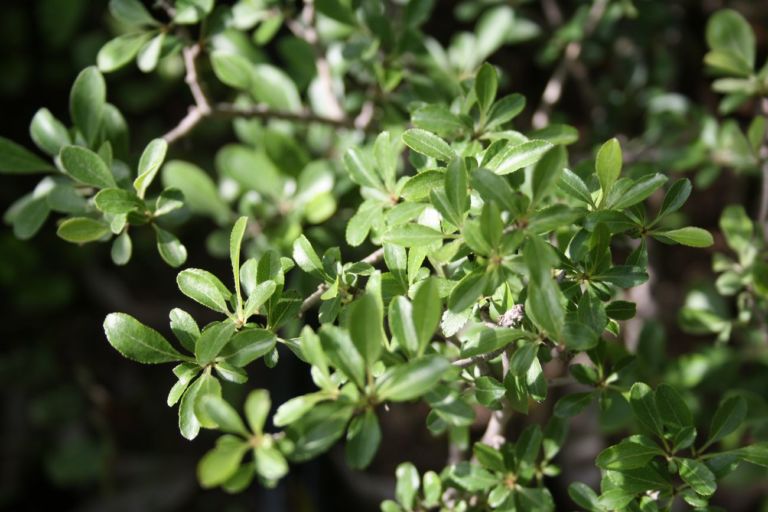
point(627, 455)
point(343, 354)
point(728, 32)
point(690, 236)
point(189, 12)
point(608, 164)
point(486, 85)
point(360, 169)
point(235, 243)
point(120, 51)
point(87, 101)
point(513, 158)
point(306, 258)
point(151, 160)
point(426, 312)
point(117, 201)
point(212, 340)
point(428, 144)
point(47, 132)
point(170, 248)
point(86, 167)
point(138, 342)
point(271, 86)
point(698, 476)
point(413, 235)
point(204, 288)
point(223, 414)
point(16, 159)
point(122, 248)
point(199, 191)
point(150, 52)
point(365, 328)
point(411, 380)
point(80, 230)
point(219, 464)
point(467, 291)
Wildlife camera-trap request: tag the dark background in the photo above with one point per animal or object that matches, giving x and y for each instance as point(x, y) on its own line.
point(85, 429)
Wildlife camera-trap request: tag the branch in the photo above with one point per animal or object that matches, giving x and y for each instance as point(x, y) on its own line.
point(202, 108)
point(313, 299)
point(762, 216)
point(554, 88)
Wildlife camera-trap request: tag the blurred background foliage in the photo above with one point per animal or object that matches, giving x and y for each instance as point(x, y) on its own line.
point(83, 428)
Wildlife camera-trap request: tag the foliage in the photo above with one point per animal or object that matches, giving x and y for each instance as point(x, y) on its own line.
point(499, 255)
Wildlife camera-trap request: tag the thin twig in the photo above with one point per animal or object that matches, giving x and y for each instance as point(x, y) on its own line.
point(306, 30)
point(471, 361)
point(554, 88)
point(313, 299)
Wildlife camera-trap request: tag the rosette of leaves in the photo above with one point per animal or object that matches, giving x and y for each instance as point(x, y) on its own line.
point(88, 179)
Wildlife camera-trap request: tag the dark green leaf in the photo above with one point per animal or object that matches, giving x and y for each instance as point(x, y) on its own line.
point(138, 342)
point(86, 167)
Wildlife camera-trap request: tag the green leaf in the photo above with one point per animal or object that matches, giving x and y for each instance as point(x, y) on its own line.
point(428, 144)
point(235, 243)
point(232, 69)
point(47, 132)
point(359, 226)
point(737, 227)
point(572, 404)
point(150, 52)
point(643, 404)
point(224, 415)
point(190, 420)
point(495, 188)
point(343, 354)
point(608, 164)
point(426, 312)
point(504, 110)
point(270, 463)
point(486, 85)
point(672, 409)
point(360, 169)
point(513, 158)
point(80, 230)
point(438, 119)
point(411, 380)
point(151, 160)
point(297, 407)
point(120, 51)
point(755, 454)
point(401, 324)
point(573, 185)
point(16, 159)
point(365, 328)
point(86, 167)
point(489, 391)
point(189, 12)
point(259, 295)
point(547, 172)
point(363, 439)
point(412, 235)
point(467, 291)
point(86, 103)
point(138, 342)
point(131, 12)
point(248, 345)
point(212, 341)
point(117, 201)
point(200, 193)
point(170, 248)
point(639, 191)
point(122, 248)
point(627, 455)
point(257, 407)
point(728, 32)
point(407, 484)
point(271, 86)
point(675, 197)
point(306, 258)
point(698, 476)
point(204, 288)
point(584, 496)
point(730, 414)
point(184, 328)
point(690, 236)
point(219, 464)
